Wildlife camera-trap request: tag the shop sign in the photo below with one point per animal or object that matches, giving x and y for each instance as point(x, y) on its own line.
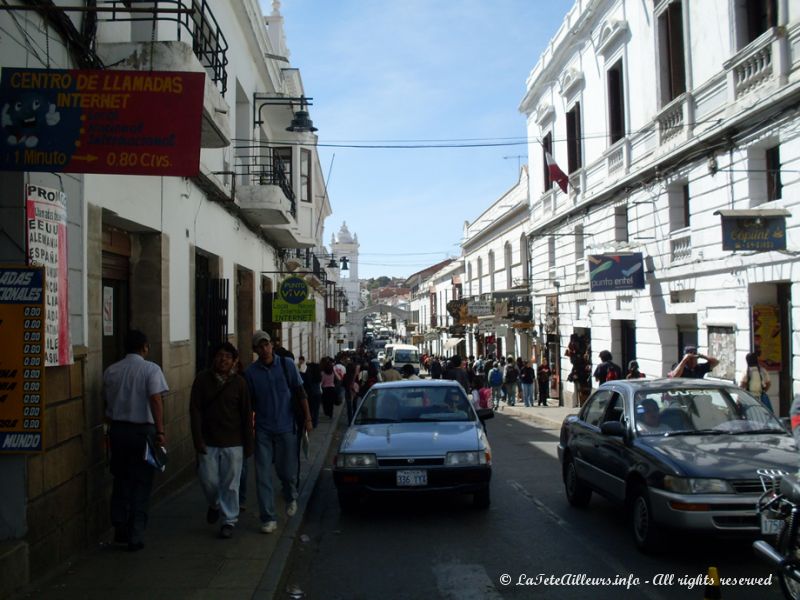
point(756, 234)
point(292, 302)
point(22, 329)
point(616, 272)
point(101, 121)
point(513, 305)
point(479, 308)
point(46, 234)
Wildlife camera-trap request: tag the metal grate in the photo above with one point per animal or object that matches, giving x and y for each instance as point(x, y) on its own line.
point(748, 486)
point(193, 18)
point(411, 463)
point(257, 165)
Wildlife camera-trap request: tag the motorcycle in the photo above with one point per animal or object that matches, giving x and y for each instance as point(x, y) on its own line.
point(779, 511)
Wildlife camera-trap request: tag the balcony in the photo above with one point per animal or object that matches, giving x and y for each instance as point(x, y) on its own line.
point(263, 189)
point(184, 37)
point(671, 121)
point(752, 66)
point(680, 247)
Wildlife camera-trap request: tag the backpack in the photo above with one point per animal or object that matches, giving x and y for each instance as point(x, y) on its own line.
point(613, 372)
point(511, 374)
point(495, 377)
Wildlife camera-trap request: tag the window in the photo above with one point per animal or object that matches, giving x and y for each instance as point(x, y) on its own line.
point(679, 213)
point(508, 262)
point(579, 245)
point(670, 51)
point(480, 276)
point(469, 278)
point(574, 161)
point(616, 103)
point(596, 407)
point(773, 168)
point(547, 148)
point(305, 175)
point(551, 252)
point(754, 17)
point(282, 159)
point(491, 271)
point(621, 224)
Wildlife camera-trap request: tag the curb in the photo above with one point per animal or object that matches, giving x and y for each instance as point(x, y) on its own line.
point(270, 579)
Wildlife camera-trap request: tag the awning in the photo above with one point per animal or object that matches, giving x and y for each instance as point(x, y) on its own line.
point(754, 212)
point(451, 343)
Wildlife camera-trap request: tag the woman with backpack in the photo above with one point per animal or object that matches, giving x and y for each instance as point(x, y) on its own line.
point(496, 383)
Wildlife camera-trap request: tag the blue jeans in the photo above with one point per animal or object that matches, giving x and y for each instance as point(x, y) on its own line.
point(527, 393)
point(280, 448)
point(511, 393)
point(219, 471)
point(497, 395)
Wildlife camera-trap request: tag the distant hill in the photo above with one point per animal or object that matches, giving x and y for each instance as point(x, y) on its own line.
point(378, 282)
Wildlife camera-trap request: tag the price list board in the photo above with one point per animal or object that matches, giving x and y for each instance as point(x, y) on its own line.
point(22, 316)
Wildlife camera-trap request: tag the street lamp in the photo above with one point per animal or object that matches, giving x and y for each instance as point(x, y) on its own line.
point(301, 121)
point(342, 263)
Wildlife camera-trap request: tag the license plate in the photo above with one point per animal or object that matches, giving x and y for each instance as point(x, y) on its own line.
point(770, 526)
point(412, 478)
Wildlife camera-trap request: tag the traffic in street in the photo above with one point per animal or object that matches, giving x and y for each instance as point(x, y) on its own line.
point(530, 543)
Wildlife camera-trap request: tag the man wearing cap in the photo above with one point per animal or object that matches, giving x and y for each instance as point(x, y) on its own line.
point(690, 368)
point(271, 380)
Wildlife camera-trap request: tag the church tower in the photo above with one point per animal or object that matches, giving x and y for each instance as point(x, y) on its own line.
point(345, 245)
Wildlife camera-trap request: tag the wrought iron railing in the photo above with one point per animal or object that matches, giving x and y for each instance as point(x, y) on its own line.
point(193, 19)
point(261, 166)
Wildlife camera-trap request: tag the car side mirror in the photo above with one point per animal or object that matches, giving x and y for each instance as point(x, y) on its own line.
point(612, 428)
point(485, 413)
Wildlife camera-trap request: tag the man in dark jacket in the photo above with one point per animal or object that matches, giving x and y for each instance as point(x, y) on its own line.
point(220, 415)
point(456, 372)
point(607, 370)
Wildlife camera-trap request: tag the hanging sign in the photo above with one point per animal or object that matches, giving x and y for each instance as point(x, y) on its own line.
point(292, 302)
point(46, 233)
point(616, 272)
point(101, 121)
point(756, 234)
point(22, 293)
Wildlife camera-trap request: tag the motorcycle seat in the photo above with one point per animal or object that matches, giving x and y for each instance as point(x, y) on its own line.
point(790, 488)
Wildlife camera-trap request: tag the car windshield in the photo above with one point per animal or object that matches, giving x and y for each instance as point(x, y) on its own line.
point(407, 404)
point(406, 356)
point(693, 411)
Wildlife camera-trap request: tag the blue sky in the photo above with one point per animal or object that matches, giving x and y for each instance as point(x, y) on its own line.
point(404, 70)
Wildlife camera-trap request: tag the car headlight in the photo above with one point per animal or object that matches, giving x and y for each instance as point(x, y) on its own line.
point(465, 459)
point(356, 461)
point(686, 485)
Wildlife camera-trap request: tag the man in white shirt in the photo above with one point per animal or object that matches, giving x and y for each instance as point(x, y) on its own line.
point(132, 389)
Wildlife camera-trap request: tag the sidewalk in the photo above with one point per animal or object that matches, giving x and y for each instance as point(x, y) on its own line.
point(184, 558)
point(547, 416)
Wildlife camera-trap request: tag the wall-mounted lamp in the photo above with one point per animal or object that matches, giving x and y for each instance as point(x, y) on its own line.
point(342, 264)
point(301, 121)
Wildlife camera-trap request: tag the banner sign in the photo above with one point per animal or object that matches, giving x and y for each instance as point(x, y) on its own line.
point(616, 272)
point(767, 336)
point(101, 121)
point(516, 306)
point(46, 233)
point(292, 302)
point(759, 234)
point(479, 308)
point(22, 310)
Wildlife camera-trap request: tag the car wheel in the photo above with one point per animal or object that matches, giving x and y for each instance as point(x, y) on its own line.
point(578, 493)
point(481, 499)
point(646, 532)
point(348, 501)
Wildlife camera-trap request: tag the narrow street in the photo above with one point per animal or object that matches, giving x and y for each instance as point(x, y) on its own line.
point(441, 547)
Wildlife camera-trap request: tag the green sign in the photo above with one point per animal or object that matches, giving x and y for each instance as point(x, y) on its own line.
point(292, 302)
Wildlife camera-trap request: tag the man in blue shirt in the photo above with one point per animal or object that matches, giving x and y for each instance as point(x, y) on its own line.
point(271, 380)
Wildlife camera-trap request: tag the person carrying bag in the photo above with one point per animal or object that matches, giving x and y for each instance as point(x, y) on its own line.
point(756, 380)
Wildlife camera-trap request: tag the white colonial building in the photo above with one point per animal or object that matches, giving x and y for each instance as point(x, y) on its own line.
point(495, 254)
point(677, 123)
point(191, 261)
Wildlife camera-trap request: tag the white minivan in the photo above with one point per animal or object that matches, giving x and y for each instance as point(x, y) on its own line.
point(404, 354)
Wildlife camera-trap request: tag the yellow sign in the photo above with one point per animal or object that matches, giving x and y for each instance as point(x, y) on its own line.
point(293, 303)
point(767, 336)
point(22, 316)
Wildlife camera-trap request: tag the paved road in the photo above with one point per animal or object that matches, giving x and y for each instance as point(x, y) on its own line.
point(443, 548)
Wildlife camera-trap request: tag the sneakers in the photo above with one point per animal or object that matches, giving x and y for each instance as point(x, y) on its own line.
point(291, 508)
point(226, 531)
point(269, 527)
point(212, 516)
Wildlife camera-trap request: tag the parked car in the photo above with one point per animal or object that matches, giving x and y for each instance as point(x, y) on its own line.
point(414, 436)
point(678, 453)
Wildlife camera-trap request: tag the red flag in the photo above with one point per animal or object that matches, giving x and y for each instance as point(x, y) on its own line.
point(556, 174)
